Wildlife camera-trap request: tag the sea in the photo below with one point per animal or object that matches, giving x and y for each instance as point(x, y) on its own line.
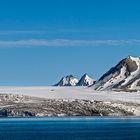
point(70, 128)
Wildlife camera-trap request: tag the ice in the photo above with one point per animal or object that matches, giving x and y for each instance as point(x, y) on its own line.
point(88, 93)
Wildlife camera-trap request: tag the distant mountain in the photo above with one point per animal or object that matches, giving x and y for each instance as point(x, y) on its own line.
point(125, 75)
point(85, 81)
point(69, 80)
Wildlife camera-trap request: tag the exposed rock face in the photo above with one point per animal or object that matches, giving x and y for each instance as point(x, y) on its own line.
point(32, 106)
point(125, 75)
point(138, 83)
point(85, 81)
point(131, 65)
point(69, 80)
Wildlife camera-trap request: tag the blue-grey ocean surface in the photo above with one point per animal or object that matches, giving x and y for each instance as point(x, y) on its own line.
point(70, 128)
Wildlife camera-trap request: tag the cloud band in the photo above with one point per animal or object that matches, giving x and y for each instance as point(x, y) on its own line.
point(64, 43)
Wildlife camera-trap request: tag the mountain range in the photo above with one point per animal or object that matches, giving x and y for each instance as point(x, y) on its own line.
point(123, 76)
point(70, 80)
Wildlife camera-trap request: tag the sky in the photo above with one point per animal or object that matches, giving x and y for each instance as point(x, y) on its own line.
point(43, 40)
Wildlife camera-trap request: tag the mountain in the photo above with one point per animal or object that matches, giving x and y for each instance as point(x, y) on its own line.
point(85, 81)
point(69, 80)
point(125, 75)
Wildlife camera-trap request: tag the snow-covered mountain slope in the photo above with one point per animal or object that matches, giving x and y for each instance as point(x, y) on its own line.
point(86, 81)
point(69, 80)
point(125, 75)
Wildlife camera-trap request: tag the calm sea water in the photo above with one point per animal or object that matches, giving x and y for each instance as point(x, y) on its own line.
point(70, 128)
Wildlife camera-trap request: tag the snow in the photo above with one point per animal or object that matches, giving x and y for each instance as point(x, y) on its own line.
point(120, 77)
point(135, 73)
point(115, 80)
point(68, 81)
point(86, 81)
point(137, 59)
point(73, 93)
point(134, 84)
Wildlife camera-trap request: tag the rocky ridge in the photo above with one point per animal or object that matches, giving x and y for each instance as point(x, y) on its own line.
point(20, 105)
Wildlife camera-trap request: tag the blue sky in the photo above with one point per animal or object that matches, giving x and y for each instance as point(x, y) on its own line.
point(43, 40)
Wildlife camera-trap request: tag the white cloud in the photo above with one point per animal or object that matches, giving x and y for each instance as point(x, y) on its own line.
point(46, 31)
point(22, 32)
point(64, 42)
